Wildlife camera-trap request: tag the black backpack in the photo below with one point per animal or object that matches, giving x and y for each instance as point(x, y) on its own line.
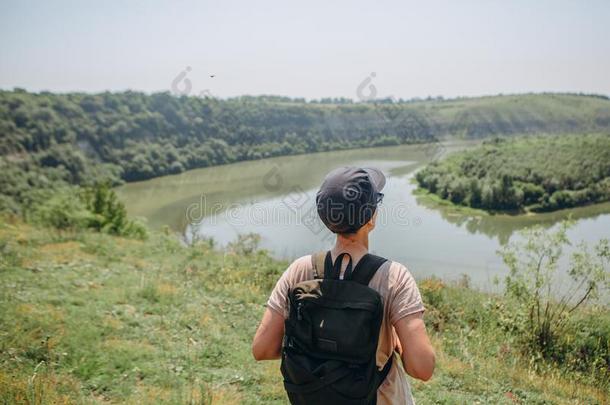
point(331, 335)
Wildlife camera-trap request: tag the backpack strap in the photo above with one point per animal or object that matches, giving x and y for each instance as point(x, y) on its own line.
point(334, 272)
point(317, 260)
point(382, 374)
point(366, 268)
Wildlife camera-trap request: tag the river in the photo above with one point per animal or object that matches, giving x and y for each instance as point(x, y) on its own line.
point(276, 198)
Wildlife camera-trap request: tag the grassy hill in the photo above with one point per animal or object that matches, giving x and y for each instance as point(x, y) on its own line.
point(76, 138)
point(86, 317)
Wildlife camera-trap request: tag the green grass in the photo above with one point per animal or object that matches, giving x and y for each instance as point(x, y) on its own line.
point(93, 318)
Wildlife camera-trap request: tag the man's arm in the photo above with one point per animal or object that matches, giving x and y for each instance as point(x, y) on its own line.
point(267, 343)
point(418, 356)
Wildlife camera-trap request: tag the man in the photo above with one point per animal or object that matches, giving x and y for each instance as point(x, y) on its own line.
point(347, 204)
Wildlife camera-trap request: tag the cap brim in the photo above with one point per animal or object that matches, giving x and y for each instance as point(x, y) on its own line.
point(376, 176)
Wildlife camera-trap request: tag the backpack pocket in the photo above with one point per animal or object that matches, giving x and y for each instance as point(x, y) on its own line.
point(335, 320)
point(310, 381)
point(346, 329)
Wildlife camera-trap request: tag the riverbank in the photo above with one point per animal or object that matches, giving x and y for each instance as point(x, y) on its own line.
point(89, 317)
point(431, 200)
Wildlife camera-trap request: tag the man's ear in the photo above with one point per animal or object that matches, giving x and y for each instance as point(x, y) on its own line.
point(371, 223)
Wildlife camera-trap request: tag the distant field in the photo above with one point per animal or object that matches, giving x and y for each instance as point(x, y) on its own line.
point(526, 174)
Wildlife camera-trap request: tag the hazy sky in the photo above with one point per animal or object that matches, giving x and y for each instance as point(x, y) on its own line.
point(307, 49)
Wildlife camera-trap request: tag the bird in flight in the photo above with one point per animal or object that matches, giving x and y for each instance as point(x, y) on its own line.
point(212, 76)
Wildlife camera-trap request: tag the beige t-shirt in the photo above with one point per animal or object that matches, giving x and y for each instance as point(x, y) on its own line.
point(400, 297)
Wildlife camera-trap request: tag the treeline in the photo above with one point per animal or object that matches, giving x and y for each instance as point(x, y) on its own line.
point(78, 138)
point(527, 174)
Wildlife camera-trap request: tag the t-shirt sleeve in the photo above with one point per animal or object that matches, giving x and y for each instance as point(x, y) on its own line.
point(406, 299)
point(278, 300)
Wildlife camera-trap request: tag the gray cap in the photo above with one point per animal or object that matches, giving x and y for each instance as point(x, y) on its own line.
point(348, 198)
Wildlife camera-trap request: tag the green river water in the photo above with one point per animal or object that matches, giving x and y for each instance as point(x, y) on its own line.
point(276, 199)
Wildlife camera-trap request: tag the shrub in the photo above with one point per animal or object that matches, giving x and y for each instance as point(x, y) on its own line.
point(246, 244)
point(546, 304)
point(73, 208)
point(109, 214)
point(62, 211)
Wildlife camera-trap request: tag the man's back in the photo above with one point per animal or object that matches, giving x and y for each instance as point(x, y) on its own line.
point(347, 203)
point(400, 297)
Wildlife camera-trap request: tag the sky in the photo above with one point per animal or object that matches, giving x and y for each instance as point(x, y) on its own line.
point(311, 49)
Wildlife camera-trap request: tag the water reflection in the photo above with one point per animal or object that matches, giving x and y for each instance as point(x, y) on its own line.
point(502, 227)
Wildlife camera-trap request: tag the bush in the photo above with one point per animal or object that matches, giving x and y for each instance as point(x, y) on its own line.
point(73, 208)
point(63, 211)
point(545, 304)
point(246, 244)
point(109, 214)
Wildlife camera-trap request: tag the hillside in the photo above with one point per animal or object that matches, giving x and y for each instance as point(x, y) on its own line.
point(79, 138)
point(91, 318)
point(527, 174)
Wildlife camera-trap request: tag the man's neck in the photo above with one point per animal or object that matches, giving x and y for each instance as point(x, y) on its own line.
point(357, 245)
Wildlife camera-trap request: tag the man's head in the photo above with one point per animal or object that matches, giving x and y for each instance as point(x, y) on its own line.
point(348, 198)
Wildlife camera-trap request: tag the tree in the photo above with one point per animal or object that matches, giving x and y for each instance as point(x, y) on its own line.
point(475, 193)
point(109, 214)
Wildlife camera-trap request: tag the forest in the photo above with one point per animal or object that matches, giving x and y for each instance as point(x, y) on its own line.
point(534, 174)
point(77, 138)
